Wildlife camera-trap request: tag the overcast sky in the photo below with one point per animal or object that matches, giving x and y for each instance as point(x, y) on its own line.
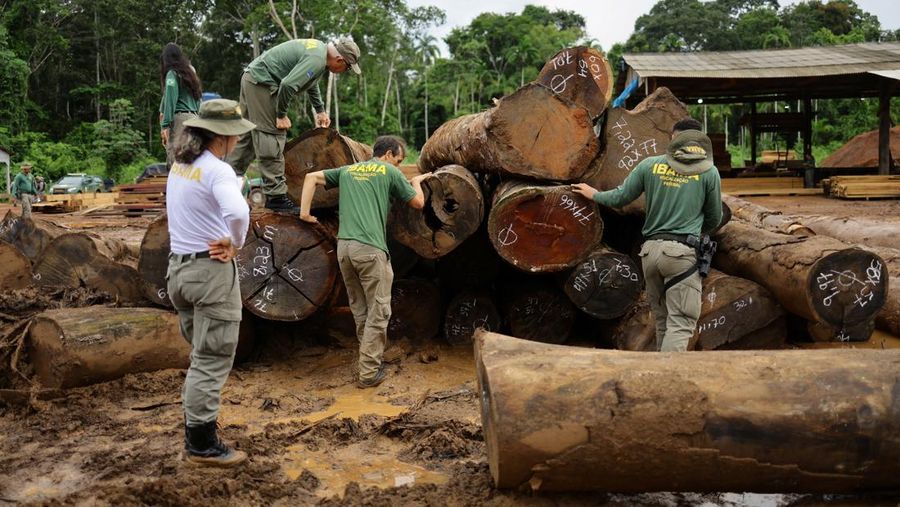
point(608, 21)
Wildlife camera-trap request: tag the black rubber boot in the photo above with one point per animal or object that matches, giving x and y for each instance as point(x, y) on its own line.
point(202, 447)
point(281, 203)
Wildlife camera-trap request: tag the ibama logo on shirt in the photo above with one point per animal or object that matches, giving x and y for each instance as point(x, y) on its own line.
point(187, 172)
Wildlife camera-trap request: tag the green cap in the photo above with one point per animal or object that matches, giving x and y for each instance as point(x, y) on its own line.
point(350, 52)
point(221, 116)
point(690, 152)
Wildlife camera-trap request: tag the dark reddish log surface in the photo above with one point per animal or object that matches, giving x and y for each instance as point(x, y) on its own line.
point(605, 285)
point(80, 346)
point(581, 75)
point(566, 418)
point(154, 261)
point(538, 312)
point(287, 268)
point(454, 210)
point(315, 150)
point(818, 278)
point(531, 133)
point(543, 229)
point(415, 310)
point(15, 268)
point(632, 136)
point(467, 312)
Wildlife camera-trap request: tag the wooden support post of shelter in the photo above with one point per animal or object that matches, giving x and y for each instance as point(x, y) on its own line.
point(884, 126)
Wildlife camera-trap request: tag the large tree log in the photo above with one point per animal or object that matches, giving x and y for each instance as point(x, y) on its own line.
point(287, 268)
point(562, 419)
point(73, 260)
point(473, 264)
point(735, 314)
point(80, 346)
point(15, 268)
point(531, 133)
point(632, 136)
point(889, 316)
point(467, 312)
point(862, 231)
point(817, 278)
point(315, 150)
point(154, 261)
point(581, 75)
point(32, 236)
point(605, 285)
point(543, 229)
point(765, 218)
point(538, 311)
point(454, 209)
point(415, 310)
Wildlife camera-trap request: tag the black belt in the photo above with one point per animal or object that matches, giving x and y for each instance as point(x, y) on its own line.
point(664, 236)
point(683, 239)
point(190, 256)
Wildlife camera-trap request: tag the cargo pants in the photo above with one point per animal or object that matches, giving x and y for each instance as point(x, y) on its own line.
point(26, 200)
point(675, 311)
point(368, 276)
point(266, 142)
point(207, 296)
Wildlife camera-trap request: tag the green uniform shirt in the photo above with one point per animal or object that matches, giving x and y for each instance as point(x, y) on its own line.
point(676, 203)
point(291, 67)
point(365, 199)
point(176, 98)
point(23, 184)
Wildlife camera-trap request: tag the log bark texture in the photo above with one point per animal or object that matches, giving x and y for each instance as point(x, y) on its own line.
point(581, 75)
point(287, 268)
point(32, 236)
point(154, 261)
point(81, 346)
point(467, 312)
point(765, 218)
point(878, 233)
point(454, 210)
point(15, 268)
point(605, 285)
point(818, 278)
point(538, 311)
point(531, 133)
point(543, 229)
point(564, 419)
point(315, 150)
point(633, 135)
point(415, 310)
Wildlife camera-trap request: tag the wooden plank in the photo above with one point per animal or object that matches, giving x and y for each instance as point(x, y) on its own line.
point(774, 191)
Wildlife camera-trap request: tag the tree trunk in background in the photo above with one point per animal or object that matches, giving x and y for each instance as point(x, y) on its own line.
point(415, 310)
point(761, 421)
point(538, 311)
point(33, 236)
point(315, 150)
point(467, 312)
point(454, 210)
point(80, 346)
point(543, 228)
point(531, 133)
point(765, 218)
point(287, 268)
point(862, 231)
point(15, 268)
point(605, 285)
point(817, 278)
point(632, 136)
point(581, 75)
point(154, 261)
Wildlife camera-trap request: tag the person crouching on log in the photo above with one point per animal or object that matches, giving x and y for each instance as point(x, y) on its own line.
point(683, 193)
point(366, 189)
point(208, 222)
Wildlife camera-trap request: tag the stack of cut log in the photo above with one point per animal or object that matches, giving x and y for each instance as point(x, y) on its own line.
point(147, 198)
point(862, 187)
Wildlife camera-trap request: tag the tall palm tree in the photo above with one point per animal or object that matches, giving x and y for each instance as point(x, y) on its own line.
point(427, 50)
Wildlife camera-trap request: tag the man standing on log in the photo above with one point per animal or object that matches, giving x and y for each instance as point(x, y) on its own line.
point(684, 199)
point(208, 221)
point(267, 87)
point(24, 190)
point(365, 192)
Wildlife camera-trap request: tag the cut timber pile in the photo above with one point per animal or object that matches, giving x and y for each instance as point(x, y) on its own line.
point(147, 198)
point(581, 75)
point(765, 218)
point(68, 203)
point(862, 187)
point(563, 419)
point(316, 150)
point(786, 185)
point(80, 346)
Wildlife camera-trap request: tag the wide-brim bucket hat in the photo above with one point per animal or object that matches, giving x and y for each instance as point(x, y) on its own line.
point(221, 116)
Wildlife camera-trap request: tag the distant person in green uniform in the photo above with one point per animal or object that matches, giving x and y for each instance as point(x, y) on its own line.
point(366, 189)
point(24, 189)
point(180, 99)
point(267, 87)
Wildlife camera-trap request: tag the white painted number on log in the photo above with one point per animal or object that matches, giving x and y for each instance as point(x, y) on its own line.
point(162, 294)
point(569, 203)
point(269, 232)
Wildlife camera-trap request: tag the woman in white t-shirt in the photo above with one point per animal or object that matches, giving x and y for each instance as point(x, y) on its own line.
point(208, 221)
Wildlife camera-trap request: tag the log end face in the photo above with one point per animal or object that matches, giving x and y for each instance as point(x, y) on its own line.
point(847, 287)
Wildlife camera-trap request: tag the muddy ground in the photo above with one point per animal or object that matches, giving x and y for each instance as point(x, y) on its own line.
point(313, 437)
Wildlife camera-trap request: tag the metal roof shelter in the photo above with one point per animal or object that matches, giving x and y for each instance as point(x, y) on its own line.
point(846, 71)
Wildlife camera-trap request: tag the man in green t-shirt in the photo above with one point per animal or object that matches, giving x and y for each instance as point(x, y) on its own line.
point(684, 199)
point(23, 189)
point(366, 189)
point(267, 87)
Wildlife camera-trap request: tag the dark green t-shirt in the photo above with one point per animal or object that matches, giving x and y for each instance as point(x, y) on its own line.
point(365, 199)
point(176, 98)
point(292, 67)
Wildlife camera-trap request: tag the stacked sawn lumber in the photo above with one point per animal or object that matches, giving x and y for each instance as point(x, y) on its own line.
point(862, 187)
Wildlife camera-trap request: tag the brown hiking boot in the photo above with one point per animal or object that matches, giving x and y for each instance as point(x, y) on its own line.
point(202, 447)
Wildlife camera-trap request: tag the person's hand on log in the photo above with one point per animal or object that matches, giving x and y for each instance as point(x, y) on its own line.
point(323, 120)
point(584, 189)
point(306, 217)
point(222, 250)
point(283, 123)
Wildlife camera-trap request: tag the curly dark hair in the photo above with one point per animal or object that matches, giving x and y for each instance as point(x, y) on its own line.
point(173, 59)
point(192, 142)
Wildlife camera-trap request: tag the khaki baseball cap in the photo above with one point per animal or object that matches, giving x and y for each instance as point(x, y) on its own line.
point(221, 116)
point(350, 52)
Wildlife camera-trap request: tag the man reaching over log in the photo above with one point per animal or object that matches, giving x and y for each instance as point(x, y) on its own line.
point(208, 222)
point(683, 200)
point(365, 192)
